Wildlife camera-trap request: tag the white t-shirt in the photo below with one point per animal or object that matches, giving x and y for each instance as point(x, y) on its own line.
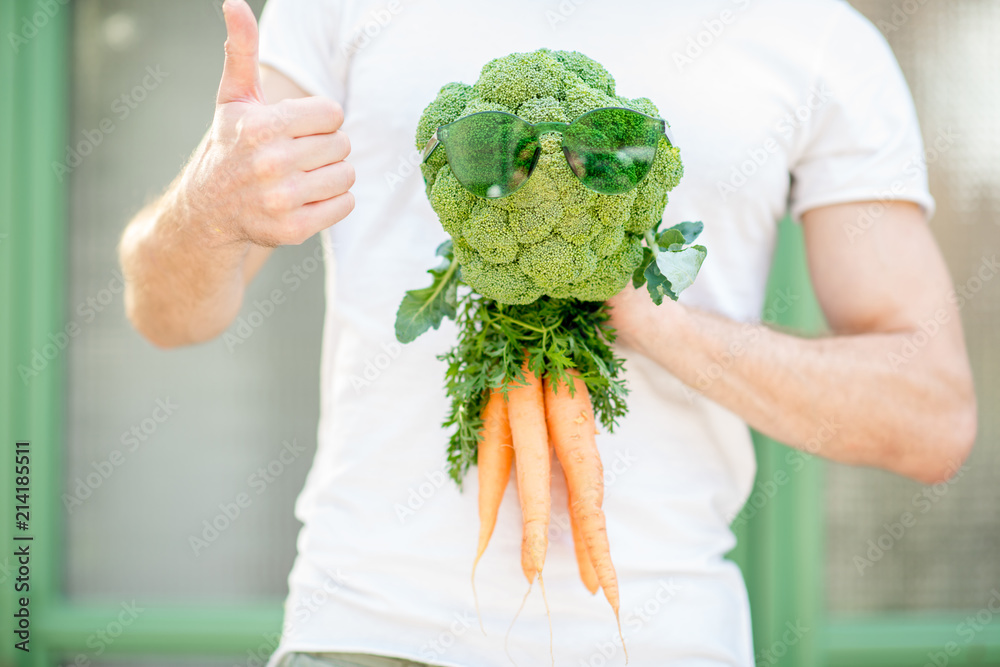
point(773, 103)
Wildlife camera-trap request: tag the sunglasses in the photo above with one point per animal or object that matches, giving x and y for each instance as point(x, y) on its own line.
point(493, 153)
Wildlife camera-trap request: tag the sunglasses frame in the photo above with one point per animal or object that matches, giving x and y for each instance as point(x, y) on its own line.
point(540, 129)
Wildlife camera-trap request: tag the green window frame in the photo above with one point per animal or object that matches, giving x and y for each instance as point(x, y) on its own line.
point(780, 549)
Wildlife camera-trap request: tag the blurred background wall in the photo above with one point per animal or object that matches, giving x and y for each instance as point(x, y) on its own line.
point(238, 398)
point(196, 426)
point(951, 558)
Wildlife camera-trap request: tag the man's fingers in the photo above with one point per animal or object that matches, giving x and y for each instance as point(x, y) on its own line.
point(241, 75)
point(317, 216)
point(304, 116)
point(324, 183)
point(319, 150)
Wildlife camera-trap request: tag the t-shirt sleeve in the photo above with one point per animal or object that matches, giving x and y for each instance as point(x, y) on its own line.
point(862, 141)
point(301, 39)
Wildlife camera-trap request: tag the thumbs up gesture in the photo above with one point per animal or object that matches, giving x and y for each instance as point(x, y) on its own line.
point(272, 174)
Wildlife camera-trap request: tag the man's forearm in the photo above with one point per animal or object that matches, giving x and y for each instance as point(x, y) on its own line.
point(184, 281)
point(840, 397)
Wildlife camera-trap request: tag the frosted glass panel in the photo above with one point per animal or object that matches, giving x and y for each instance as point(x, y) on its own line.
point(165, 447)
point(949, 555)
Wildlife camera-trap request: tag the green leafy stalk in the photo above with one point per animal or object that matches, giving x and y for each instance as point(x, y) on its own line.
point(423, 309)
point(668, 267)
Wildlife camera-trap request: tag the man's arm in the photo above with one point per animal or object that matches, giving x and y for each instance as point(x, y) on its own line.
point(269, 172)
point(881, 404)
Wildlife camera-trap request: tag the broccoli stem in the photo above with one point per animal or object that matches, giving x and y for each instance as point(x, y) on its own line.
point(651, 242)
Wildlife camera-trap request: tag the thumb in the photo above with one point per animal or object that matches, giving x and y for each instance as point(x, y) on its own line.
point(241, 75)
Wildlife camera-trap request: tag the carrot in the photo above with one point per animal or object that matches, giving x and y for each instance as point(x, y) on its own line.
point(571, 427)
point(526, 411)
point(533, 461)
point(527, 562)
point(496, 453)
point(587, 572)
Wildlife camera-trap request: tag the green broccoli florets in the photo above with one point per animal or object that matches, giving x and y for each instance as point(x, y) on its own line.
point(553, 236)
point(450, 201)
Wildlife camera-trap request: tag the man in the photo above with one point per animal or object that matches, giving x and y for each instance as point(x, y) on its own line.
point(774, 104)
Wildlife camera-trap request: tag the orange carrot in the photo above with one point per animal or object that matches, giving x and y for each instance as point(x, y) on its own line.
point(526, 411)
point(587, 572)
point(496, 452)
point(571, 426)
point(527, 562)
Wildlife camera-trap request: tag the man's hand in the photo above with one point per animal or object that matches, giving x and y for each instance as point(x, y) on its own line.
point(269, 174)
point(265, 174)
point(898, 390)
point(634, 315)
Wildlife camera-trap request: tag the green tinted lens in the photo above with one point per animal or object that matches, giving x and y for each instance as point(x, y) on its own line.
point(611, 150)
point(491, 153)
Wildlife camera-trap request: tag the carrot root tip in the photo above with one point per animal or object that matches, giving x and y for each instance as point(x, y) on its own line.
point(475, 596)
point(548, 614)
point(506, 638)
point(621, 636)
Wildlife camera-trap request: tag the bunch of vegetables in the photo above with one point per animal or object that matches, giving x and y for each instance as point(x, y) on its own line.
point(525, 278)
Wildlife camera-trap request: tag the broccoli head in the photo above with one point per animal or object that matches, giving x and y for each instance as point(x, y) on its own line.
point(554, 236)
